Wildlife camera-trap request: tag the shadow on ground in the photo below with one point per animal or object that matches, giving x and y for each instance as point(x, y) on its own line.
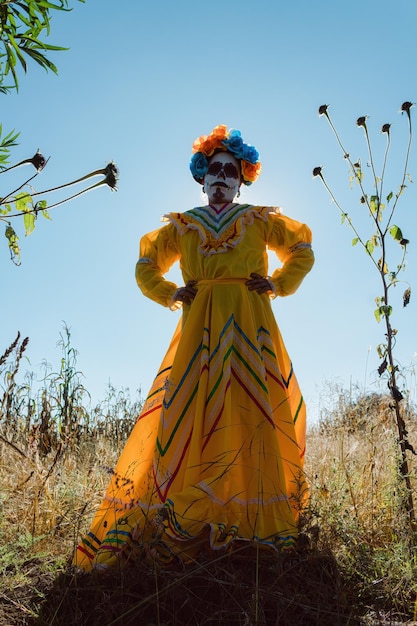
point(244, 587)
point(241, 588)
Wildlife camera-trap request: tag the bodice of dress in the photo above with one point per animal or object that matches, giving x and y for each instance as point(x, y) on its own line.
point(233, 243)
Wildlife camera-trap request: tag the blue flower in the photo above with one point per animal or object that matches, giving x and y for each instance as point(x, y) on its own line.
point(199, 165)
point(250, 154)
point(234, 144)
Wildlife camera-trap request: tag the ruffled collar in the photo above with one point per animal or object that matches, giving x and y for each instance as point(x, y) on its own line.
point(222, 229)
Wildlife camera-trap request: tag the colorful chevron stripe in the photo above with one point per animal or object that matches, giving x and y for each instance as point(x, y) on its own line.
point(217, 222)
point(253, 366)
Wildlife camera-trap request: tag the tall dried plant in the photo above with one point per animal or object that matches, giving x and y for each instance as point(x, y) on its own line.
point(386, 248)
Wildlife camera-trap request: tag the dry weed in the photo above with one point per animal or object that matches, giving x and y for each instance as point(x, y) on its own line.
point(356, 562)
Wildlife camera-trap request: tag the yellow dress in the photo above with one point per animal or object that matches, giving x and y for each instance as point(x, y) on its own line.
point(217, 452)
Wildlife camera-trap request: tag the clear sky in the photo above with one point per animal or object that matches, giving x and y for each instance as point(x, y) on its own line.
point(140, 82)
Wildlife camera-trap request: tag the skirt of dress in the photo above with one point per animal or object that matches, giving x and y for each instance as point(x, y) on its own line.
point(217, 452)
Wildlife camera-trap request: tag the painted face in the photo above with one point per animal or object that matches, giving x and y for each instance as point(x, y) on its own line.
point(222, 180)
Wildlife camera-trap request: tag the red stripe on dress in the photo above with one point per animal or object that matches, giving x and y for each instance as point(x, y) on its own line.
point(110, 548)
point(277, 380)
point(163, 496)
point(154, 408)
point(84, 551)
point(252, 397)
point(216, 421)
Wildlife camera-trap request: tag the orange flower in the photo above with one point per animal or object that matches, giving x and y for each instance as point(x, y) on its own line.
point(197, 144)
point(220, 132)
point(208, 144)
point(250, 171)
point(211, 145)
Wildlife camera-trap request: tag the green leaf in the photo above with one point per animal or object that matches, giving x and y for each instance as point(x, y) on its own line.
point(374, 204)
point(355, 241)
point(18, 52)
point(6, 210)
point(41, 59)
point(24, 27)
point(29, 222)
point(370, 247)
point(396, 233)
point(382, 311)
point(9, 140)
point(389, 196)
point(23, 202)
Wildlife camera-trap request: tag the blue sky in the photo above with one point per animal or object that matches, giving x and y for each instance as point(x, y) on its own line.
point(137, 86)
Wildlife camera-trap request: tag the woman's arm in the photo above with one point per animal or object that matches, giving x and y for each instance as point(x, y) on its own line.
point(291, 241)
point(158, 251)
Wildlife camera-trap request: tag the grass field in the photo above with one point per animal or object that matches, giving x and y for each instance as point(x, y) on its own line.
point(356, 562)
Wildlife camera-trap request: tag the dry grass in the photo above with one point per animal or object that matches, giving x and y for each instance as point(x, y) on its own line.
point(357, 507)
point(356, 563)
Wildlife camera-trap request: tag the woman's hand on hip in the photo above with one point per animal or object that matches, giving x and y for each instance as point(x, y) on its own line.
point(258, 283)
point(188, 293)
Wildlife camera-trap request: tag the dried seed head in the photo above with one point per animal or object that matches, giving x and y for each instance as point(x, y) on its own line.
point(385, 128)
point(317, 171)
point(38, 161)
point(112, 174)
point(323, 109)
point(361, 121)
point(406, 296)
point(406, 106)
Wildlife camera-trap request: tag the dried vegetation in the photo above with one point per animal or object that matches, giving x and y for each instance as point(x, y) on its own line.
point(356, 562)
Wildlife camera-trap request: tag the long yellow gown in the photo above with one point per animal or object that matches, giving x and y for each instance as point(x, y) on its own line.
point(217, 452)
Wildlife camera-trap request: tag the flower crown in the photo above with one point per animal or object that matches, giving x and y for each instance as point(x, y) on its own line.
point(228, 141)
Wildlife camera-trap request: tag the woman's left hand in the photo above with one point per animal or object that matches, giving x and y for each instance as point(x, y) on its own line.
point(188, 293)
point(258, 283)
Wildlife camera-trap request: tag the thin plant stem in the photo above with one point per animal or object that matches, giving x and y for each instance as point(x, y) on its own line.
point(12, 193)
point(371, 160)
point(402, 186)
point(52, 206)
point(384, 163)
point(100, 172)
point(346, 216)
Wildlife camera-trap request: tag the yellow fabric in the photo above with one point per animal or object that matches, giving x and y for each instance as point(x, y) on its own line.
point(217, 451)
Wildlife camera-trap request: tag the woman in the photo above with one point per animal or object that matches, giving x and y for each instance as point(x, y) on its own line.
point(217, 452)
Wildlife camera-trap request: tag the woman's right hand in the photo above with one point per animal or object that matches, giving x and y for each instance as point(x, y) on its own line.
point(188, 293)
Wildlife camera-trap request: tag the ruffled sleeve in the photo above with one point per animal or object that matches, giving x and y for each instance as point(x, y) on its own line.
point(291, 241)
point(158, 251)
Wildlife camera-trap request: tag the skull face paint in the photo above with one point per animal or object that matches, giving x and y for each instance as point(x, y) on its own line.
point(222, 180)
